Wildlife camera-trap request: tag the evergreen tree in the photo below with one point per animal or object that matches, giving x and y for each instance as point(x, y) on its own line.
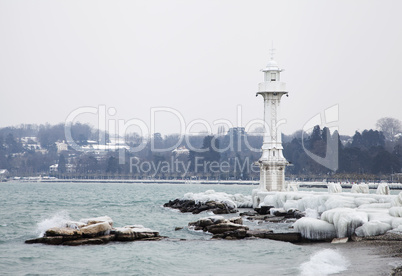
point(62, 164)
point(113, 165)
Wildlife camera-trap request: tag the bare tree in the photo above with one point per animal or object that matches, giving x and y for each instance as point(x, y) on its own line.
point(389, 127)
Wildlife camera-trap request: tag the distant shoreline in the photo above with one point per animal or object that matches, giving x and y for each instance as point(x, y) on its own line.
point(141, 181)
point(307, 184)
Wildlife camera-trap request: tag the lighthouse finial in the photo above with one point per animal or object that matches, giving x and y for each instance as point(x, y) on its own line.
point(272, 51)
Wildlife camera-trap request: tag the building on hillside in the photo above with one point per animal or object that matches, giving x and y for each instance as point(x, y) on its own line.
point(239, 131)
point(61, 146)
point(181, 151)
point(4, 173)
point(30, 143)
point(70, 168)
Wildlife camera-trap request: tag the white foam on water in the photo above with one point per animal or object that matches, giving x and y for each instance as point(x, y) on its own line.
point(324, 262)
point(60, 219)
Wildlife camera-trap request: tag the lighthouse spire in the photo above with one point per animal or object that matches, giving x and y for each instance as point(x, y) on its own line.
point(272, 51)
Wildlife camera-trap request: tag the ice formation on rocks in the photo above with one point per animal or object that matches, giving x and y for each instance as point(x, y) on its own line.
point(312, 213)
point(360, 188)
point(383, 189)
point(234, 201)
point(294, 187)
point(345, 220)
point(97, 230)
point(373, 228)
point(397, 201)
point(395, 211)
point(372, 214)
point(334, 188)
point(315, 229)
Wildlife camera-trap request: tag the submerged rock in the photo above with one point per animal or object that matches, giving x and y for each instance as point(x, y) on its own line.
point(94, 231)
point(259, 233)
point(232, 235)
point(293, 237)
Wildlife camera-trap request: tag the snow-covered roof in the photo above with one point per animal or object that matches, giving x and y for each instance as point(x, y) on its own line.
point(3, 171)
point(271, 66)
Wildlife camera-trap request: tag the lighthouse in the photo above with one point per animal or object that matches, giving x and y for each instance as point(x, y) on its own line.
point(272, 162)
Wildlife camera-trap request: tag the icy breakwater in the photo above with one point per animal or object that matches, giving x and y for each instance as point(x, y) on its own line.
point(337, 214)
point(94, 231)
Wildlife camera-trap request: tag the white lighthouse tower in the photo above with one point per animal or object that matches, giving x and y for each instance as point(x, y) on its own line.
point(272, 163)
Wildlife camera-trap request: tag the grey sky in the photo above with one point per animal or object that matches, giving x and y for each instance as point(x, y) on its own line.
point(201, 58)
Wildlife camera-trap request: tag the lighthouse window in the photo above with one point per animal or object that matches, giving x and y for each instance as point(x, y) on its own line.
point(273, 153)
point(273, 77)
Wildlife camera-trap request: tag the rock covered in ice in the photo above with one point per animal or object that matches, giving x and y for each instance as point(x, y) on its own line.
point(345, 220)
point(290, 204)
point(338, 201)
point(364, 200)
point(96, 220)
point(96, 229)
point(233, 201)
point(189, 205)
point(396, 223)
point(378, 214)
point(395, 211)
point(293, 187)
point(312, 213)
point(360, 209)
point(334, 188)
point(62, 231)
point(375, 206)
point(360, 188)
point(383, 189)
point(315, 229)
point(218, 202)
point(397, 201)
point(372, 228)
point(92, 231)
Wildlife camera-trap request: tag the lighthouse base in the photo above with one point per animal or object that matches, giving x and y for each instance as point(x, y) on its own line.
point(272, 176)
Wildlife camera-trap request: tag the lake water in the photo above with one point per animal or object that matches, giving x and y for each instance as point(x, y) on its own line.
point(28, 208)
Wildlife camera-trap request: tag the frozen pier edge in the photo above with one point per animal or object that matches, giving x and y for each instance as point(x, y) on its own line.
point(337, 214)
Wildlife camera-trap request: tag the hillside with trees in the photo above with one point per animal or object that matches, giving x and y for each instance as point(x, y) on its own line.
point(32, 150)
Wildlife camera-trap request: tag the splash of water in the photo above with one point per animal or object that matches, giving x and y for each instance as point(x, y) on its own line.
point(60, 219)
point(324, 262)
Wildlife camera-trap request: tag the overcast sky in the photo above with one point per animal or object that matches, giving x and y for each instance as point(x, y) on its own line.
point(201, 58)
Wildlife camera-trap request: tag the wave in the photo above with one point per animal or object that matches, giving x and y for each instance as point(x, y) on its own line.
point(324, 262)
point(60, 219)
